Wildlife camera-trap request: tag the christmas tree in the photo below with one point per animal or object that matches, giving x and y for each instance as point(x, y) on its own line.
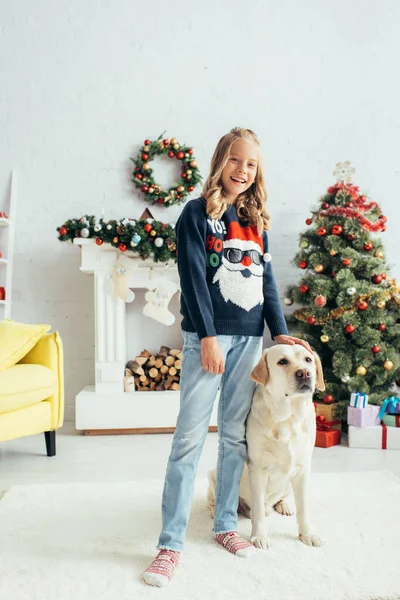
point(350, 308)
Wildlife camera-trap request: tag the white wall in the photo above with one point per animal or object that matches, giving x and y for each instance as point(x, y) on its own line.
point(84, 83)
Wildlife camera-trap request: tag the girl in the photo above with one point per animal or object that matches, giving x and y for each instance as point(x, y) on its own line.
point(228, 291)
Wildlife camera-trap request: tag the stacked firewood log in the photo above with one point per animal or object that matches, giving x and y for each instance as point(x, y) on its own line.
point(154, 372)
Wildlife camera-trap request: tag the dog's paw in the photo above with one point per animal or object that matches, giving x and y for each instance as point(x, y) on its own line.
point(311, 540)
point(260, 542)
point(283, 509)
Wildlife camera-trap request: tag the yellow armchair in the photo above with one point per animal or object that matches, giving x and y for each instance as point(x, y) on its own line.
point(32, 393)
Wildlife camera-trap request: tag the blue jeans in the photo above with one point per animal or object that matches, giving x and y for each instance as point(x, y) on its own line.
point(198, 392)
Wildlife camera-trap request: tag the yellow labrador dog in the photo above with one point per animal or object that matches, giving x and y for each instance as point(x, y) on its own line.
point(280, 431)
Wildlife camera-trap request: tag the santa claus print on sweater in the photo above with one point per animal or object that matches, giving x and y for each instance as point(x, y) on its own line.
point(226, 278)
point(240, 275)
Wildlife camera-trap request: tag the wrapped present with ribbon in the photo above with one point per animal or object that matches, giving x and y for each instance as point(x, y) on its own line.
point(358, 400)
point(391, 420)
point(328, 412)
point(379, 436)
point(363, 417)
point(325, 435)
point(390, 405)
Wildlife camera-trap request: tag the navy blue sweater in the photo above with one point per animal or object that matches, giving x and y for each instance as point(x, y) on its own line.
point(227, 282)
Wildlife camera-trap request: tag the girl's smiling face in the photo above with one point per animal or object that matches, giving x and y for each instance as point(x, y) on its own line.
point(240, 170)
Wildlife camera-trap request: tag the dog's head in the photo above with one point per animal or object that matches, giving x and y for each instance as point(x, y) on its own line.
point(289, 370)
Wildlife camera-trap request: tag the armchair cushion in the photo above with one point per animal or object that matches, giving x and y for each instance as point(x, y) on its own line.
point(16, 340)
point(24, 385)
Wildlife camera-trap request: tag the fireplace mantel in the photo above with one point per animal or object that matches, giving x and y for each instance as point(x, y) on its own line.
point(105, 407)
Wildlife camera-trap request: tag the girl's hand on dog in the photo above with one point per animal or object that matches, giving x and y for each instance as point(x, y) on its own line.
point(211, 356)
point(288, 339)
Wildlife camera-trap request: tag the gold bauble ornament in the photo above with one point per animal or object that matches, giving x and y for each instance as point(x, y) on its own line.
point(381, 304)
point(146, 148)
point(188, 172)
point(379, 254)
point(145, 166)
point(388, 365)
point(153, 232)
point(325, 339)
point(361, 371)
point(173, 141)
point(181, 189)
point(333, 252)
point(193, 163)
point(151, 190)
point(319, 268)
point(176, 146)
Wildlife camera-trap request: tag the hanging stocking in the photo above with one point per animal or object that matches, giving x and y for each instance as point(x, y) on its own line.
point(158, 297)
point(121, 275)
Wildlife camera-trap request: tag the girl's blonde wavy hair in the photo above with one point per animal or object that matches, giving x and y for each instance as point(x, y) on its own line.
point(250, 205)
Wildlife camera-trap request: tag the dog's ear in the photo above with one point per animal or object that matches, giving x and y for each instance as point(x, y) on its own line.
point(260, 373)
point(320, 383)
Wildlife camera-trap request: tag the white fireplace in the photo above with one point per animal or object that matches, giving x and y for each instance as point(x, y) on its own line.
point(105, 407)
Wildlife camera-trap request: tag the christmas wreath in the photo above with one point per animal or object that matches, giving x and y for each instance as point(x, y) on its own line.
point(143, 173)
point(147, 237)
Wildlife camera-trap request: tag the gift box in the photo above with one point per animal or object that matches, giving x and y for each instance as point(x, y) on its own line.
point(391, 420)
point(379, 436)
point(363, 417)
point(326, 439)
point(390, 405)
point(358, 400)
point(328, 412)
point(326, 436)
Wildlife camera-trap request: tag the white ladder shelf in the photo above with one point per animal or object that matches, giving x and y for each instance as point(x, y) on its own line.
point(7, 234)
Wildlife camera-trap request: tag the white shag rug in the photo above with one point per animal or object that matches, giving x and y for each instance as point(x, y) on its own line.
point(92, 542)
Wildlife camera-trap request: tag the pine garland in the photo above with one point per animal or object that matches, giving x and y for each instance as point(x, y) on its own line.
point(146, 237)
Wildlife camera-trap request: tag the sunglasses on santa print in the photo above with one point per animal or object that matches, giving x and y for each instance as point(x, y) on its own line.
point(235, 255)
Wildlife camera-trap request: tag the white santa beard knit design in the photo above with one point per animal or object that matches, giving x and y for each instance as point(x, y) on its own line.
point(245, 292)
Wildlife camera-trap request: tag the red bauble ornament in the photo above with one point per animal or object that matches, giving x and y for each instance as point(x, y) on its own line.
point(180, 155)
point(166, 142)
point(320, 301)
point(308, 221)
point(333, 274)
point(377, 279)
point(337, 229)
point(63, 231)
point(303, 264)
point(122, 247)
point(145, 156)
point(383, 275)
point(350, 328)
point(303, 288)
point(190, 151)
point(382, 218)
point(171, 154)
point(311, 320)
point(351, 237)
point(363, 305)
point(328, 399)
point(147, 227)
point(382, 327)
point(376, 349)
point(368, 246)
point(144, 188)
point(190, 188)
point(322, 231)
point(139, 176)
point(99, 241)
point(346, 262)
point(325, 205)
point(160, 200)
point(183, 175)
point(147, 142)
